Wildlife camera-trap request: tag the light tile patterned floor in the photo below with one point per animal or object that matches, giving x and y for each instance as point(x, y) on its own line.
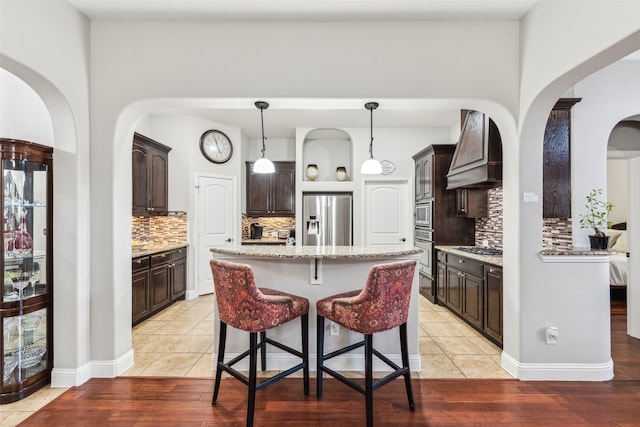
point(179, 342)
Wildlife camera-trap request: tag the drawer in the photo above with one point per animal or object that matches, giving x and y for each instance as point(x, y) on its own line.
point(178, 254)
point(467, 265)
point(140, 263)
point(442, 256)
point(160, 258)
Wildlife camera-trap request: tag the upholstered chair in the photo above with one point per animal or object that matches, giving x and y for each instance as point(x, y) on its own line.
point(244, 306)
point(382, 304)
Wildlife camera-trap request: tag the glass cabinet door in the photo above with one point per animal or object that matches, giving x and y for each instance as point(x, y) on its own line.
point(25, 307)
point(25, 229)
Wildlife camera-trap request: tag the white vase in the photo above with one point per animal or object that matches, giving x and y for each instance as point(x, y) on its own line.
point(341, 174)
point(312, 172)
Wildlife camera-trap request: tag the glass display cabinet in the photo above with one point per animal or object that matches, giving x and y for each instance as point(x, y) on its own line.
point(26, 306)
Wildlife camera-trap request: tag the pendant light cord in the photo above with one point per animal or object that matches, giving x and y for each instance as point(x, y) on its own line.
point(263, 137)
point(371, 142)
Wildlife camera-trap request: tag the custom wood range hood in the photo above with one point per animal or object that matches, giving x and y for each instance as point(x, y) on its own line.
point(477, 161)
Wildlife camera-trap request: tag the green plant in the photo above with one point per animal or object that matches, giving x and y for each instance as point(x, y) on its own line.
point(597, 213)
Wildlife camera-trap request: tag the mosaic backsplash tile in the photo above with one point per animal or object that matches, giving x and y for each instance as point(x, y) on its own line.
point(269, 224)
point(171, 228)
point(490, 228)
point(556, 233)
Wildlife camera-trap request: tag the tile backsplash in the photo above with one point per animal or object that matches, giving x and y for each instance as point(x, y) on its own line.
point(269, 224)
point(490, 228)
point(171, 228)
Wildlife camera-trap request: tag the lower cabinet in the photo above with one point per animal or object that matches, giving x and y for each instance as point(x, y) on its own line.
point(472, 290)
point(158, 280)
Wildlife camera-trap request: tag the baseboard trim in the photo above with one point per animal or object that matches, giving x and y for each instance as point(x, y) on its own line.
point(558, 371)
point(61, 377)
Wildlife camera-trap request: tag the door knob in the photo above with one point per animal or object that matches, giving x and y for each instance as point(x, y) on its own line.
point(403, 239)
point(228, 240)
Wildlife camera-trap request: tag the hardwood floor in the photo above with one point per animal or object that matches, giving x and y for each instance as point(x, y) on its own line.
point(439, 402)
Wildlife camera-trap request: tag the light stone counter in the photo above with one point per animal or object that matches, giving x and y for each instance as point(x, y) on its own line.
point(154, 248)
point(494, 260)
point(316, 273)
point(318, 252)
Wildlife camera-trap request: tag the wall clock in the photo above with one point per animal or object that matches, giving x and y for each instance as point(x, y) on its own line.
point(216, 146)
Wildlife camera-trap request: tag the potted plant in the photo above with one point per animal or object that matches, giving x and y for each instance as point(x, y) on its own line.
point(596, 219)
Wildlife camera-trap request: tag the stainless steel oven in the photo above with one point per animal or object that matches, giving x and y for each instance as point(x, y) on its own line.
point(424, 214)
point(423, 239)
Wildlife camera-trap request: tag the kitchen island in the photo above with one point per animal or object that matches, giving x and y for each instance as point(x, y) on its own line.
point(315, 273)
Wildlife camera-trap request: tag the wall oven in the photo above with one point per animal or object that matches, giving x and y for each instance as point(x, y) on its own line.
point(423, 239)
point(424, 214)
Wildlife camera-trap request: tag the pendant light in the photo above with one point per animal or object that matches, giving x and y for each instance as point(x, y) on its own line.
point(371, 166)
point(263, 165)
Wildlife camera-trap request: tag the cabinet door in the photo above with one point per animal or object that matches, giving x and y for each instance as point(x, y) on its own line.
point(159, 281)
point(427, 173)
point(454, 292)
point(442, 284)
point(472, 203)
point(258, 189)
point(283, 190)
point(472, 309)
point(493, 303)
point(159, 177)
point(419, 180)
point(139, 179)
point(139, 295)
point(178, 278)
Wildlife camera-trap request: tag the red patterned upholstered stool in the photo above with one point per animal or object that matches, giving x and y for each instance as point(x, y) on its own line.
point(243, 306)
point(383, 304)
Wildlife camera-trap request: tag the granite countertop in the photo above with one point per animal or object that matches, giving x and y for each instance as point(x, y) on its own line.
point(573, 252)
point(318, 252)
point(264, 241)
point(154, 248)
point(487, 259)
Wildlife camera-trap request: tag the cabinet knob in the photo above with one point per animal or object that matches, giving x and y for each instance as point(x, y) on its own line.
point(460, 261)
point(139, 261)
point(492, 270)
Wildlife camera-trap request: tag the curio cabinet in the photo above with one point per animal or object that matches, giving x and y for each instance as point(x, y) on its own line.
point(26, 308)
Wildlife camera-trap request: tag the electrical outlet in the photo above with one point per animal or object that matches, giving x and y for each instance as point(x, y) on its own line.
point(335, 328)
point(551, 335)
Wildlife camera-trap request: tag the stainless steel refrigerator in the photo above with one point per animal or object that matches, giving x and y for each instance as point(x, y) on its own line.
point(328, 219)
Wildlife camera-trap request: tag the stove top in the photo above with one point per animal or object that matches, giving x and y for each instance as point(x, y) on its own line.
point(481, 251)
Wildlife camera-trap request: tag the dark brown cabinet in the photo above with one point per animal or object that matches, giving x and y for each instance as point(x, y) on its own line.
point(556, 165)
point(493, 303)
point(441, 226)
point(150, 176)
point(26, 302)
point(472, 202)
point(472, 290)
point(272, 194)
point(424, 175)
point(158, 280)
point(140, 288)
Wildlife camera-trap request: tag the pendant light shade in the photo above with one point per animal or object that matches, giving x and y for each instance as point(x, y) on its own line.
point(263, 165)
point(371, 166)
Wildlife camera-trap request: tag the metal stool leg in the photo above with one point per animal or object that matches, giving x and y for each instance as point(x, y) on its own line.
point(405, 363)
point(320, 355)
point(263, 351)
point(221, 345)
point(368, 377)
point(253, 355)
point(304, 323)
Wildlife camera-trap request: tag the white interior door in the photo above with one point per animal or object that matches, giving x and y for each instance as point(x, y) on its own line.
point(387, 213)
point(216, 223)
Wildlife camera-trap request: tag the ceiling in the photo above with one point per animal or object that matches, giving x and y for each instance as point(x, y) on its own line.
point(284, 116)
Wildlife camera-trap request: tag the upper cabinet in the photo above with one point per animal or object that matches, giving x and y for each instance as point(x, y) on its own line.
point(150, 176)
point(424, 174)
point(272, 194)
point(556, 168)
point(477, 161)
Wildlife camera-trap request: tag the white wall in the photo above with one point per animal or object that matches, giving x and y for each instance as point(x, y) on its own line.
point(138, 65)
point(46, 44)
point(618, 189)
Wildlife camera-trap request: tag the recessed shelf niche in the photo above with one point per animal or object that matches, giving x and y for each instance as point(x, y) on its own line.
point(328, 149)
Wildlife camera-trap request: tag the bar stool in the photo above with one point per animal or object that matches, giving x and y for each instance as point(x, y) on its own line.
point(255, 310)
point(381, 305)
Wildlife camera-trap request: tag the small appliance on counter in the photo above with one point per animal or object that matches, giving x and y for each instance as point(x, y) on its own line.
point(256, 231)
point(283, 234)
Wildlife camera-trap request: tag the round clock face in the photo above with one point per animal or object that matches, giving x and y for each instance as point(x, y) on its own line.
point(216, 146)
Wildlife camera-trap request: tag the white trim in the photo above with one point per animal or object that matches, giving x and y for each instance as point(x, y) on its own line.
point(61, 377)
point(558, 371)
point(112, 368)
